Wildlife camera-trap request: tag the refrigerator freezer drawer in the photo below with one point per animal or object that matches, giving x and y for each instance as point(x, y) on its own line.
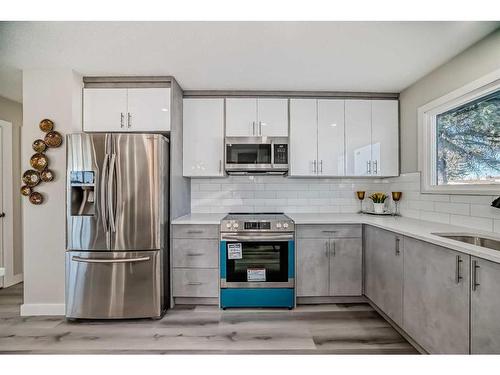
point(113, 285)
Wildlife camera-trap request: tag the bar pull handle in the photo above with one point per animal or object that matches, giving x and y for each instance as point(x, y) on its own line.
point(194, 283)
point(195, 231)
point(321, 166)
point(111, 210)
point(375, 163)
point(122, 119)
point(129, 120)
point(329, 231)
point(103, 193)
point(314, 166)
point(458, 276)
point(368, 167)
point(475, 267)
point(194, 254)
point(334, 248)
point(122, 260)
point(398, 251)
point(327, 248)
point(253, 127)
point(220, 166)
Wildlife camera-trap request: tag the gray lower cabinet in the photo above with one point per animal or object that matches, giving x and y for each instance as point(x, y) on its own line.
point(328, 265)
point(384, 271)
point(346, 274)
point(312, 267)
point(436, 297)
point(195, 260)
point(485, 307)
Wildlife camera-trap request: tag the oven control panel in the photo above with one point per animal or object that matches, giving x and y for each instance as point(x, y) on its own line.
point(232, 225)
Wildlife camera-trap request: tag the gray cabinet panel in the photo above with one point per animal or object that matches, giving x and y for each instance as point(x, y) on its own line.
point(384, 271)
point(328, 231)
point(312, 267)
point(485, 307)
point(436, 302)
point(196, 253)
point(195, 231)
point(195, 282)
point(346, 267)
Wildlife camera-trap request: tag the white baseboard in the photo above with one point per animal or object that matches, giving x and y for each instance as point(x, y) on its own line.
point(33, 309)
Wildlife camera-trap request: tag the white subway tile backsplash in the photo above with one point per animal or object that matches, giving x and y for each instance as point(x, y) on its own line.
point(280, 194)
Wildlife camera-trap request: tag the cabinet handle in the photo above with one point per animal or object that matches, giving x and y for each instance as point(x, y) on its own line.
point(321, 166)
point(195, 231)
point(375, 162)
point(334, 252)
point(329, 231)
point(194, 254)
point(314, 166)
point(327, 248)
point(253, 127)
point(458, 276)
point(368, 167)
point(398, 252)
point(129, 117)
point(122, 118)
point(194, 283)
point(475, 267)
point(220, 166)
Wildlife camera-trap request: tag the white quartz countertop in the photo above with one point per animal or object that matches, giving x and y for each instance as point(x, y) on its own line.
point(419, 229)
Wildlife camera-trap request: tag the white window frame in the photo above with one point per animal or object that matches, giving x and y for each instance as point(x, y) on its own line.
point(427, 136)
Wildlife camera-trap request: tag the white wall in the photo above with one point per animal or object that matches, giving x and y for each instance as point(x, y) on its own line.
point(12, 112)
point(475, 62)
point(53, 94)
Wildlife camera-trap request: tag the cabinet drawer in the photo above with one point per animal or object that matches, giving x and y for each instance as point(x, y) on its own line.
point(328, 231)
point(196, 253)
point(195, 282)
point(195, 231)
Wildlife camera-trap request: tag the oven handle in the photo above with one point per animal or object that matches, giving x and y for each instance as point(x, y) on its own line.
point(258, 237)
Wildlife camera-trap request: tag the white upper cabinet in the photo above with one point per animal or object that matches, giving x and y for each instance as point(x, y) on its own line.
point(241, 117)
point(358, 137)
point(126, 110)
point(203, 137)
point(148, 109)
point(272, 117)
point(104, 110)
point(303, 137)
point(372, 137)
point(331, 137)
point(250, 117)
point(385, 138)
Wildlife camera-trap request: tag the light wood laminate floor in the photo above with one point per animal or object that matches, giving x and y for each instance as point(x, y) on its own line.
point(317, 329)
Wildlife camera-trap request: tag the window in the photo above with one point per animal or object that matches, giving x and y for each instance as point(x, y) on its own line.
point(460, 140)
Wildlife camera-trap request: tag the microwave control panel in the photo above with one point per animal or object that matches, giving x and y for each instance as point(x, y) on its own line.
point(280, 153)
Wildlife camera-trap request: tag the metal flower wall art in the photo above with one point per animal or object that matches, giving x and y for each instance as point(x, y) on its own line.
point(39, 162)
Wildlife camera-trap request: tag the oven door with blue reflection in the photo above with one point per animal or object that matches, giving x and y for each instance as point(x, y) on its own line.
point(257, 272)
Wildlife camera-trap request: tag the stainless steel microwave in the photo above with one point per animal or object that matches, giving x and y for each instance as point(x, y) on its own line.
point(256, 155)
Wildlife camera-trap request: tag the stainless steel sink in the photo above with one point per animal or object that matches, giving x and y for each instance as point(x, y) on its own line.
point(488, 242)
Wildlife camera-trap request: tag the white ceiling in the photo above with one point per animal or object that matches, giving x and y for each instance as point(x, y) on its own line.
point(336, 56)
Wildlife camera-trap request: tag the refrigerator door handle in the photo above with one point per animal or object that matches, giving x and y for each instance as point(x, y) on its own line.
point(111, 209)
point(121, 260)
point(103, 193)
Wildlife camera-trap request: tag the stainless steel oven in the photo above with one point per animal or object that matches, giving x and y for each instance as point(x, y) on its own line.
point(256, 155)
point(257, 261)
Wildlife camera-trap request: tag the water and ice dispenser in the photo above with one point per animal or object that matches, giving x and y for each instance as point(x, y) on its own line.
point(82, 185)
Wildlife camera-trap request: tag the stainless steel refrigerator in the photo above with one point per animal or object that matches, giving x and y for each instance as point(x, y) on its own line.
point(117, 226)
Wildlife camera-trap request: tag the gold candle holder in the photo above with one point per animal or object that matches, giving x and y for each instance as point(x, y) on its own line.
point(361, 196)
point(396, 197)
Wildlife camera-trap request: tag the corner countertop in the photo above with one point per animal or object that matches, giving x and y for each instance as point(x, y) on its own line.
point(419, 229)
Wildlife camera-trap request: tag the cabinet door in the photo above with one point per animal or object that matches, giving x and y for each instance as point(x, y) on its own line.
point(104, 110)
point(241, 117)
point(331, 137)
point(436, 297)
point(272, 117)
point(358, 137)
point(485, 307)
point(384, 271)
point(346, 272)
point(203, 137)
point(312, 267)
point(303, 137)
point(385, 138)
point(148, 110)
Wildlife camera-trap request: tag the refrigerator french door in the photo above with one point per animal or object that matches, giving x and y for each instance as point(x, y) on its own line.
point(117, 226)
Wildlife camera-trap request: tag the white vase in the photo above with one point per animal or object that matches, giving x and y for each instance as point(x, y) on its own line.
point(378, 208)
